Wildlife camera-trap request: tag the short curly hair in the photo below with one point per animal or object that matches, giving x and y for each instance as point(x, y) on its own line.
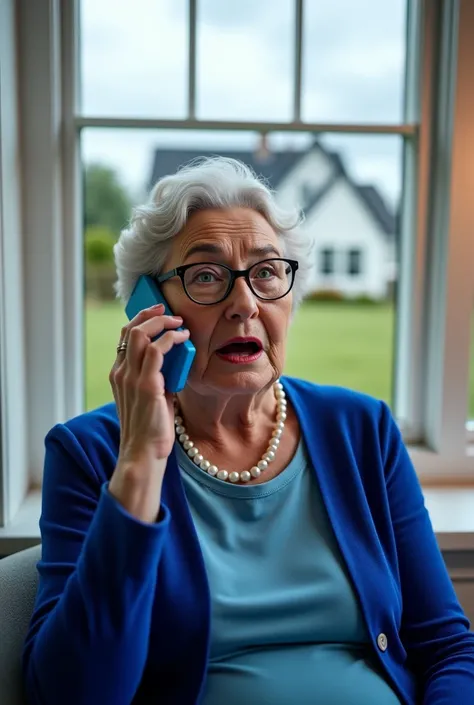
point(215, 182)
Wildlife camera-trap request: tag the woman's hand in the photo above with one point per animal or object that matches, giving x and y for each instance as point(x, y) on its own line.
point(145, 411)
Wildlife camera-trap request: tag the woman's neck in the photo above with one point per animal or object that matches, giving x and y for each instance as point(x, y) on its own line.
point(226, 422)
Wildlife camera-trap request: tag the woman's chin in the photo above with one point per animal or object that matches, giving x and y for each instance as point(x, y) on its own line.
point(251, 378)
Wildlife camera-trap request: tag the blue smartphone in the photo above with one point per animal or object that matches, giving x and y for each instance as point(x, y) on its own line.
point(178, 360)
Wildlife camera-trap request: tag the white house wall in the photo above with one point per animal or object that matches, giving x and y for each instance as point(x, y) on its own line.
point(313, 170)
point(342, 221)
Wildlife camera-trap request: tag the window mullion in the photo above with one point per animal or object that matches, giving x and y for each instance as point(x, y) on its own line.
point(72, 238)
point(451, 227)
point(408, 358)
point(14, 466)
point(42, 184)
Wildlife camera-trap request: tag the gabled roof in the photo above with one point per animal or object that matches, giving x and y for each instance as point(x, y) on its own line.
point(274, 166)
point(377, 206)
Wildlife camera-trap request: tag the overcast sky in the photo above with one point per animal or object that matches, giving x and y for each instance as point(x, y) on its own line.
point(134, 64)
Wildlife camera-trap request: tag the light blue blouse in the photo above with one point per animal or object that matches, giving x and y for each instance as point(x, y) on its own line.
point(286, 626)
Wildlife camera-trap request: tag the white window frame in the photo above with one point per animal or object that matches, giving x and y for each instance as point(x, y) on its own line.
point(436, 289)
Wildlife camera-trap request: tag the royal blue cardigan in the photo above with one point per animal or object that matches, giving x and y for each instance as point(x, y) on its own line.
point(122, 612)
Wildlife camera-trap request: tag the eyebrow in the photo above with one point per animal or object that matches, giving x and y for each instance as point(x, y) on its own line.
point(212, 249)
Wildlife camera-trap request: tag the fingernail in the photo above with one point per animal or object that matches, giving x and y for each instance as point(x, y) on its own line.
point(177, 318)
point(158, 306)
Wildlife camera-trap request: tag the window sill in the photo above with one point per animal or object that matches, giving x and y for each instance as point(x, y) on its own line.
point(450, 509)
point(23, 532)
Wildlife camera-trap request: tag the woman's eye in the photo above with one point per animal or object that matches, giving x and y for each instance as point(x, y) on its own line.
point(205, 277)
point(265, 273)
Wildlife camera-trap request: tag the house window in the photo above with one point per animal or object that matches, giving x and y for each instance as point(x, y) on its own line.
point(354, 262)
point(327, 261)
point(135, 134)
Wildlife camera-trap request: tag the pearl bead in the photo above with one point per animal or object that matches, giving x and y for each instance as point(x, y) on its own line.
point(256, 470)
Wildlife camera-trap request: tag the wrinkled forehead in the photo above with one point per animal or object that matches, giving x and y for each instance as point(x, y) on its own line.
point(238, 234)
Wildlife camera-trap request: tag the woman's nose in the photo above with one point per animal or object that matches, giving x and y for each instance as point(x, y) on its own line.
point(241, 301)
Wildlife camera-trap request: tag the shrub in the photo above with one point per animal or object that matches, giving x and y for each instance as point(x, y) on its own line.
point(331, 295)
point(99, 242)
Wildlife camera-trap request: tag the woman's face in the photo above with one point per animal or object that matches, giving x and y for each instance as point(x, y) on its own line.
point(238, 238)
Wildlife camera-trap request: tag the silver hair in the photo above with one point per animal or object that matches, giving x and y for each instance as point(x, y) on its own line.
point(216, 182)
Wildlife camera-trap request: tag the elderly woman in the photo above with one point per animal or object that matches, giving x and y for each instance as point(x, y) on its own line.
point(255, 538)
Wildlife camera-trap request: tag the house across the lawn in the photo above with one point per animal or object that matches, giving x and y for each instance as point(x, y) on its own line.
point(353, 228)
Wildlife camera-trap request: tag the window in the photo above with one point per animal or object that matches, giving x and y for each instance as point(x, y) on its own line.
point(307, 193)
point(349, 181)
point(327, 261)
point(360, 133)
point(337, 35)
point(131, 159)
point(354, 263)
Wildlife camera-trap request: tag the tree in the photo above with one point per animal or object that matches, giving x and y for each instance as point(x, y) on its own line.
point(107, 202)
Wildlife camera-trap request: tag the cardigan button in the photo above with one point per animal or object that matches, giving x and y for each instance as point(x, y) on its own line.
point(382, 642)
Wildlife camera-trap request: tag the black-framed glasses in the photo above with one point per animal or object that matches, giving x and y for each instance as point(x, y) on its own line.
point(209, 283)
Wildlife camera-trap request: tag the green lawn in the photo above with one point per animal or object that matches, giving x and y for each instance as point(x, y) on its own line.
point(346, 344)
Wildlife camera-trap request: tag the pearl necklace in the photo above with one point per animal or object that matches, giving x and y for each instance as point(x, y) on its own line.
point(257, 469)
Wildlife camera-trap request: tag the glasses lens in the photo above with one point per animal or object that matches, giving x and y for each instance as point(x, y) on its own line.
point(271, 278)
point(206, 283)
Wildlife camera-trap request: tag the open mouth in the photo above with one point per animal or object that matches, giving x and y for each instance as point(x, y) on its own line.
point(241, 351)
point(248, 348)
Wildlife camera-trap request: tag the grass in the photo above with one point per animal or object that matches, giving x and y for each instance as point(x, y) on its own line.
point(331, 343)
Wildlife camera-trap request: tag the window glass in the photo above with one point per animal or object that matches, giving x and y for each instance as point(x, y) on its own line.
point(343, 333)
point(354, 262)
point(133, 58)
point(245, 59)
point(327, 261)
point(354, 60)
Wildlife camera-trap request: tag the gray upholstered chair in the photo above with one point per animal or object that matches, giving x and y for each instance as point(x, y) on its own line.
point(18, 582)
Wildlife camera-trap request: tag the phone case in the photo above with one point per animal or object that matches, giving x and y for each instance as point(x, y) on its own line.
point(177, 362)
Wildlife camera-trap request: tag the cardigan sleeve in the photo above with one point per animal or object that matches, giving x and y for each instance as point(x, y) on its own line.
point(435, 631)
point(88, 637)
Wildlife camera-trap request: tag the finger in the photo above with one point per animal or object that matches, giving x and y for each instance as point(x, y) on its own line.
point(142, 316)
point(140, 337)
point(155, 352)
point(154, 326)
